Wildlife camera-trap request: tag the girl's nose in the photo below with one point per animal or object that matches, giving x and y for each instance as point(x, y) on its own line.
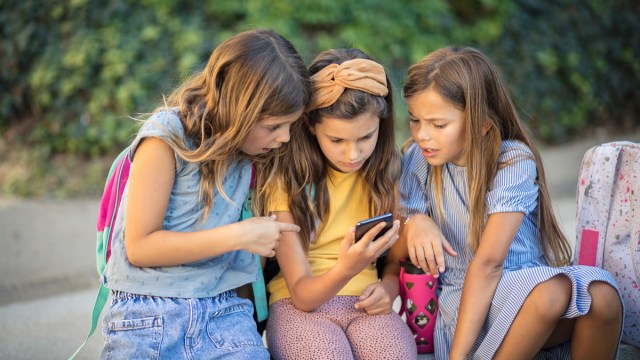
point(352, 151)
point(283, 135)
point(423, 133)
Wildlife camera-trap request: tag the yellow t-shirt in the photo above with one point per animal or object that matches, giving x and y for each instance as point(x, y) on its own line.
point(348, 204)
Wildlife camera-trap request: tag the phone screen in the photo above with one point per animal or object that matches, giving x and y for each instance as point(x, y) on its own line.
point(362, 227)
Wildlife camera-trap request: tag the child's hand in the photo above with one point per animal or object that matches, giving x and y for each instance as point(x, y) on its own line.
point(261, 235)
point(355, 256)
point(425, 243)
point(375, 299)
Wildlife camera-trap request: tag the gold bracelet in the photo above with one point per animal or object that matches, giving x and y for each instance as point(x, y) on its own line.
point(407, 219)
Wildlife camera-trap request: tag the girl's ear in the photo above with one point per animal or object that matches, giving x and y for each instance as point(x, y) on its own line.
point(312, 129)
point(486, 127)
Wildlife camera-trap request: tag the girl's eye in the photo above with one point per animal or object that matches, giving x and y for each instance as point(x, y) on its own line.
point(414, 121)
point(367, 137)
point(439, 126)
point(274, 128)
point(336, 141)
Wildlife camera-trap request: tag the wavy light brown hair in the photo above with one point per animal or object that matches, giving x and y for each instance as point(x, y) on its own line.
point(468, 80)
point(307, 164)
point(249, 76)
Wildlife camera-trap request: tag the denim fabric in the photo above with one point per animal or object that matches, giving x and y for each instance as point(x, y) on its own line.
point(204, 278)
point(150, 327)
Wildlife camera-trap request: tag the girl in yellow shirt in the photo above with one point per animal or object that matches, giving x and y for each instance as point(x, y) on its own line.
point(327, 300)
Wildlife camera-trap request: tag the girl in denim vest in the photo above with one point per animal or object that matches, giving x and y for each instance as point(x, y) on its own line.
point(179, 249)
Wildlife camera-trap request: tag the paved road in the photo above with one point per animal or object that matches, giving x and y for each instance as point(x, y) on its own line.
point(49, 281)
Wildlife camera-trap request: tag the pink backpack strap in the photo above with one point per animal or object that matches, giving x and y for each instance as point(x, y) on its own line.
point(109, 206)
point(107, 213)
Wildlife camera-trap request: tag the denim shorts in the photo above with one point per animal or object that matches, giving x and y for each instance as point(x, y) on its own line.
point(151, 327)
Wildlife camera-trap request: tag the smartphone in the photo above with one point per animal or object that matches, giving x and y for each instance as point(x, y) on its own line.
point(362, 227)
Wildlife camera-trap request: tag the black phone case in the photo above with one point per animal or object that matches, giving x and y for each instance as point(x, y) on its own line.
point(365, 225)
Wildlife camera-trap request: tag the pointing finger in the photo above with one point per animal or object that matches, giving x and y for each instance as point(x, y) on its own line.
point(284, 227)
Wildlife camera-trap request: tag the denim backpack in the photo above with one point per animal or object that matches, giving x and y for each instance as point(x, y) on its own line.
point(107, 214)
point(608, 222)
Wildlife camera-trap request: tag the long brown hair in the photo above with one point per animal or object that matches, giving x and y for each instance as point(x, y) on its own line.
point(468, 80)
point(249, 76)
point(308, 164)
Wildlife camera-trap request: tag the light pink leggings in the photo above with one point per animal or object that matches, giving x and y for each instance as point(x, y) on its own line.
point(336, 330)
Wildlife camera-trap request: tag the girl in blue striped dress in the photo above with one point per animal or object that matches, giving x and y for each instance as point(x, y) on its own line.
point(478, 215)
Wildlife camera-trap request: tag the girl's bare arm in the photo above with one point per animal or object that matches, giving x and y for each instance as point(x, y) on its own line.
point(148, 245)
point(481, 281)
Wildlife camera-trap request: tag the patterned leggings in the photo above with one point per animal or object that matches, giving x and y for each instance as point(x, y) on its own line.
point(336, 330)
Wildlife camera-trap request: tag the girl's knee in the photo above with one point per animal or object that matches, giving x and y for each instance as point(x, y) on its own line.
point(549, 300)
point(605, 302)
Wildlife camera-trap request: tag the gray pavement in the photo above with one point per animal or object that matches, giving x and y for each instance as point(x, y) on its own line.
point(49, 281)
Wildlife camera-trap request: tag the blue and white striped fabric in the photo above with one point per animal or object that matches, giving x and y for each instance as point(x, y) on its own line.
point(513, 190)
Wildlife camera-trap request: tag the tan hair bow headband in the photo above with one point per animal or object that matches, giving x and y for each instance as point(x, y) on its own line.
point(359, 74)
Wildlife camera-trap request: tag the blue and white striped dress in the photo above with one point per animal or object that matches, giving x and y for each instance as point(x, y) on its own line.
point(513, 190)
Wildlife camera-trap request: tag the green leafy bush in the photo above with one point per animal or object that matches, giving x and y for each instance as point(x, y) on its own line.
point(75, 72)
point(573, 66)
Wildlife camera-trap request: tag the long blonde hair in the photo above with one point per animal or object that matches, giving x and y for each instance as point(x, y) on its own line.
point(468, 80)
point(249, 76)
point(307, 164)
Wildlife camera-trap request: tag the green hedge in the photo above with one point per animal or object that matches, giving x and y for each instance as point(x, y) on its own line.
point(573, 65)
point(73, 72)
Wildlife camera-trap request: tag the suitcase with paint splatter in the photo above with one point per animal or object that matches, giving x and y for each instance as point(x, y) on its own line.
point(608, 222)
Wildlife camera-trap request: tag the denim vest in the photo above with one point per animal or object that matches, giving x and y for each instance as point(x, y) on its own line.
point(204, 278)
